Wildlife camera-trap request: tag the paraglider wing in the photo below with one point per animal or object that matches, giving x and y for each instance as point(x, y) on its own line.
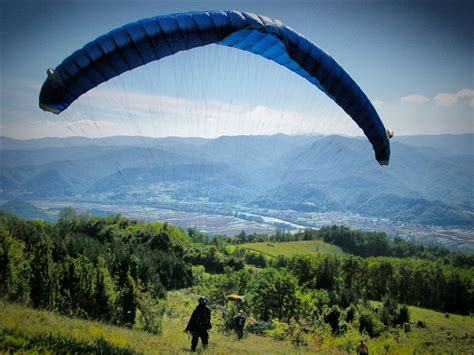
point(141, 42)
point(235, 298)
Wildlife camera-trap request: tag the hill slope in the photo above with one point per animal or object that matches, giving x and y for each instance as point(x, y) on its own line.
point(25, 210)
point(22, 328)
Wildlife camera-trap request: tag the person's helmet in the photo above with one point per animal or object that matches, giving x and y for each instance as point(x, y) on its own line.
point(202, 300)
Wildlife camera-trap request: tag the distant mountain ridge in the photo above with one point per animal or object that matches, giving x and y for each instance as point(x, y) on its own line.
point(449, 143)
point(25, 210)
point(429, 180)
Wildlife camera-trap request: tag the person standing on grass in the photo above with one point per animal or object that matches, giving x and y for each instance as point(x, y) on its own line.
point(362, 348)
point(199, 324)
point(239, 321)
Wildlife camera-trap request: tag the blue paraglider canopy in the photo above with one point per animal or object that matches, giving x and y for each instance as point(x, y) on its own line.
point(151, 39)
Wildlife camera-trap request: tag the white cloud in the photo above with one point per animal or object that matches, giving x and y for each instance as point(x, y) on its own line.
point(157, 115)
point(442, 99)
point(414, 99)
point(114, 110)
point(378, 103)
point(447, 99)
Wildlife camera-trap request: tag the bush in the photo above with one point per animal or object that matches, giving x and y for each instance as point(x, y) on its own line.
point(406, 327)
point(332, 318)
point(370, 323)
point(279, 331)
point(149, 314)
point(348, 342)
point(421, 324)
point(350, 312)
point(389, 312)
point(297, 333)
point(403, 315)
point(260, 327)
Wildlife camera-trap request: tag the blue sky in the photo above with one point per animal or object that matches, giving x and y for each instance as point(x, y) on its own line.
point(414, 60)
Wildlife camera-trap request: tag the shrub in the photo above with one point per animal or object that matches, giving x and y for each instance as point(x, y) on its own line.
point(369, 323)
point(421, 324)
point(332, 318)
point(279, 331)
point(297, 333)
point(260, 327)
point(406, 327)
point(389, 311)
point(403, 315)
point(149, 314)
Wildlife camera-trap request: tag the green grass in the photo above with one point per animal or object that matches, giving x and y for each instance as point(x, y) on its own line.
point(288, 249)
point(23, 329)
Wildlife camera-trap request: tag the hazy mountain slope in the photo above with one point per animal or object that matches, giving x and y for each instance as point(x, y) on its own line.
point(25, 210)
point(50, 183)
point(338, 163)
point(448, 143)
point(302, 173)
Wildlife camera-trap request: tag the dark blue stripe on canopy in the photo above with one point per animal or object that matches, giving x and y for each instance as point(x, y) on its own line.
point(151, 39)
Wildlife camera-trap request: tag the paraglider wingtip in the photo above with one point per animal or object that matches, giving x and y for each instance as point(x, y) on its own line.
point(48, 108)
point(390, 133)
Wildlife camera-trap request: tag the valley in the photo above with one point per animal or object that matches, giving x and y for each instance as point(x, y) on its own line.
point(224, 220)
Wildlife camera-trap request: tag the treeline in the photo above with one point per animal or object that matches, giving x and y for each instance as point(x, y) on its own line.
point(365, 244)
point(292, 298)
point(416, 282)
point(347, 279)
point(112, 269)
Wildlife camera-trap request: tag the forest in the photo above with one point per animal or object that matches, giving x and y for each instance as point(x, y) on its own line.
point(118, 271)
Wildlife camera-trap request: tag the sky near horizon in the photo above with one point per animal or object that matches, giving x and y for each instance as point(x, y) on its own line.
point(413, 59)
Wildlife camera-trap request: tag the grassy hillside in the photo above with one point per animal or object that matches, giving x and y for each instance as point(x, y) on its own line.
point(289, 249)
point(444, 333)
point(22, 328)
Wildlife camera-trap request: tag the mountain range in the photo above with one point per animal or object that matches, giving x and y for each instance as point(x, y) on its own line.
point(430, 179)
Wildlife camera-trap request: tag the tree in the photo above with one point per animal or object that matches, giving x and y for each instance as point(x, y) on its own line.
point(128, 302)
point(105, 294)
point(275, 294)
point(43, 277)
point(389, 312)
point(403, 315)
point(14, 268)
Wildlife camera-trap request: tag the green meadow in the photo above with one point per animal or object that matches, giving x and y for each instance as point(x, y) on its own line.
point(289, 249)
